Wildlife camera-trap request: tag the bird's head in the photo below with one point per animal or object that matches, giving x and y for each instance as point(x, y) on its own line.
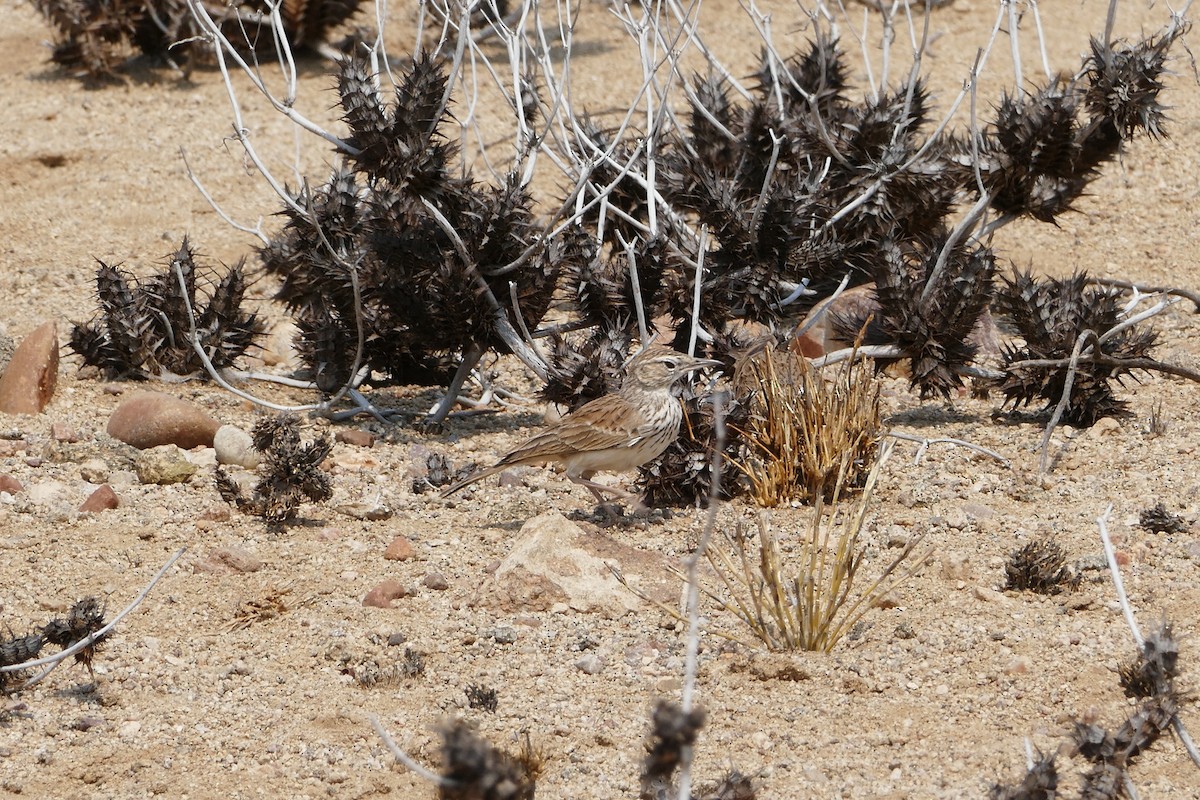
point(658, 367)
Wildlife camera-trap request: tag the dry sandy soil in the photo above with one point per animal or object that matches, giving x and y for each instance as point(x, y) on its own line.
point(936, 697)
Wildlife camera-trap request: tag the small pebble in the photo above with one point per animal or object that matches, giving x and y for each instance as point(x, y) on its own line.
point(436, 581)
point(590, 664)
point(356, 437)
point(504, 635)
point(400, 549)
point(163, 465)
point(382, 595)
point(103, 499)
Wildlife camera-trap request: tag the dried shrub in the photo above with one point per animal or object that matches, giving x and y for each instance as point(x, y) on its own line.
point(482, 697)
point(406, 242)
point(1040, 782)
point(1040, 566)
point(83, 619)
point(1159, 520)
point(476, 770)
point(290, 472)
point(95, 38)
point(1052, 315)
point(810, 434)
point(682, 475)
point(672, 740)
point(1152, 671)
point(143, 329)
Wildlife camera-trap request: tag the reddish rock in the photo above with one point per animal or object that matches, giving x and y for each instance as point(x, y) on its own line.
point(103, 499)
point(11, 485)
point(150, 419)
point(401, 549)
point(29, 379)
point(62, 432)
point(227, 560)
point(356, 437)
point(383, 594)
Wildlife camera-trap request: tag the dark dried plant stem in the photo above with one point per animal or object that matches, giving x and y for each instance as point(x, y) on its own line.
point(1131, 620)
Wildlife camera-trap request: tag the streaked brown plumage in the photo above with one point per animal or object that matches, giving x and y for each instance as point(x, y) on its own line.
point(614, 433)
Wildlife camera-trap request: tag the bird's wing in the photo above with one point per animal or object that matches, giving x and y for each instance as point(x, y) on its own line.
point(602, 424)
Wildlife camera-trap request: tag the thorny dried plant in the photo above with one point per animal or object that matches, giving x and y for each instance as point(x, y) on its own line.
point(672, 739)
point(682, 476)
point(146, 328)
point(1040, 782)
point(815, 609)
point(94, 39)
point(483, 698)
point(1040, 566)
point(403, 243)
point(290, 472)
point(1159, 520)
point(84, 618)
point(474, 769)
point(1055, 318)
point(810, 433)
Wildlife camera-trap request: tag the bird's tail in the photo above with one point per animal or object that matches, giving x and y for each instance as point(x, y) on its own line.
point(476, 476)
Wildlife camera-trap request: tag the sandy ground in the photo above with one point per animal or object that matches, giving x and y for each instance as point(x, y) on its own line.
point(935, 698)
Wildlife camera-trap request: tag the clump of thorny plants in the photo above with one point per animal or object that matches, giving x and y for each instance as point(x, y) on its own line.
point(811, 600)
point(811, 433)
point(290, 473)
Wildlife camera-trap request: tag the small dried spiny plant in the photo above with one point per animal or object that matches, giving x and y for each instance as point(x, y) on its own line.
point(672, 741)
point(474, 769)
point(144, 328)
point(1040, 782)
point(482, 697)
point(83, 619)
point(1159, 520)
point(1052, 316)
point(682, 476)
point(290, 472)
point(1040, 566)
point(1149, 678)
point(810, 433)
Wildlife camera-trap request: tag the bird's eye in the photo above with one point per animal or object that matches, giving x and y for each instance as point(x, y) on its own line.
point(670, 363)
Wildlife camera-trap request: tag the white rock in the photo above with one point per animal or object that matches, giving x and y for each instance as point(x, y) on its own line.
point(234, 446)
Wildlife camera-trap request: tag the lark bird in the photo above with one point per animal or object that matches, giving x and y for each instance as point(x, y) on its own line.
point(614, 433)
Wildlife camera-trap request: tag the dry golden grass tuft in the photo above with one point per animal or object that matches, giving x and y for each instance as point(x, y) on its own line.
point(807, 427)
point(815, 606)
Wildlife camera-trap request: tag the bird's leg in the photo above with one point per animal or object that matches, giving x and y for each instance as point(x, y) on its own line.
point(470, 358)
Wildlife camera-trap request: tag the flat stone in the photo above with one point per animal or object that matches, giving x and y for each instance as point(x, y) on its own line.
point(436, 581)
point(31, 376)
point(150, 419)
point(555, 565)
point(228, 561)
point(62, 432)
point(103, 499)
point(10, 484)
point(94, 470)
point(355, 436)
point(382, 595)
